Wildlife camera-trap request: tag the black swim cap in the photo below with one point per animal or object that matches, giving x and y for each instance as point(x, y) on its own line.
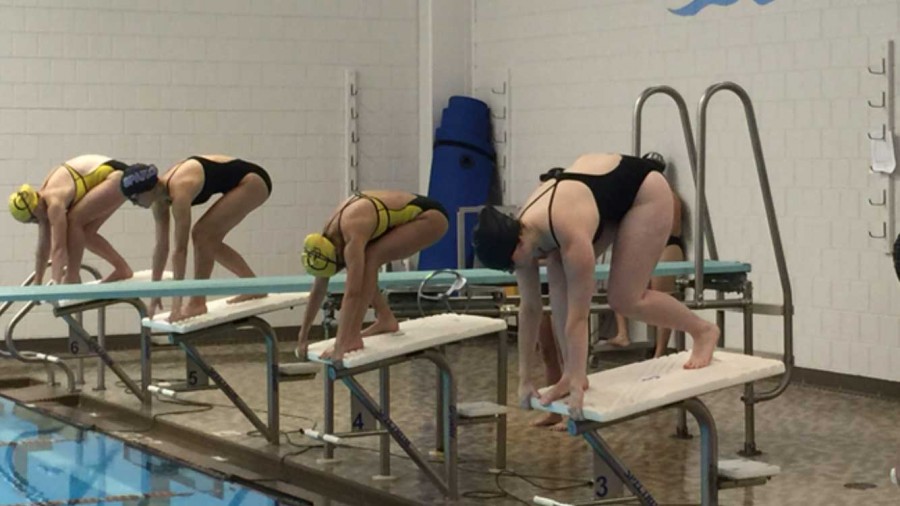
point(495, 239)
point(138, 178)
point(897, 257)
point(657, 160)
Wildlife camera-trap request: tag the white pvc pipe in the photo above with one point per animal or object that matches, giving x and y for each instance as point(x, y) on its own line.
point(162, 391)
point(544, 501)
point(328, 438)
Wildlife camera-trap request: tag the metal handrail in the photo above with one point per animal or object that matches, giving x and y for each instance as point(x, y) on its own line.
point(770, 216)
point(30, 356)
point(689, 144)
point(4, 307)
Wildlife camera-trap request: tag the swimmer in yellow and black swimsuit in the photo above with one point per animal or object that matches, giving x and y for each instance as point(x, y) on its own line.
point(70, 206)
point(366, 231)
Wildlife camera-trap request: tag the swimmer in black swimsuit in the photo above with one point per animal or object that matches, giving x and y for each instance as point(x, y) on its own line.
point(569, 220)
point(244, 187)
point(673, 252)
point(897, 257)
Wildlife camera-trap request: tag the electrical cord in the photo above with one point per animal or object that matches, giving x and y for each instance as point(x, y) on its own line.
point(501, 491)
point(208, 405)
point(202, 409)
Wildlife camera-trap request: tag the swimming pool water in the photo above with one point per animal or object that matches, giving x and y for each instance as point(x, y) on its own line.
point(46, 462)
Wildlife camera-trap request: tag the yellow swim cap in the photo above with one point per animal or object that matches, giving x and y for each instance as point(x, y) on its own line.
point(319, 256)
point(23, 202)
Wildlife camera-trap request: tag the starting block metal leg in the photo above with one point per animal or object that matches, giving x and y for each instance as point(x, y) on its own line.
point(86, 339)
point(384, 375)
point(438, 417)
point(146, 367)
point(681, 428)
point(448, 487)
point(749, 449)
point(75, 348)
point(709, 452)
point(709, 457)
point(449, 419)
point(328, 415)
point(101, 338)
point(448, 387)
point(272, 398)
point(270, 431)
point(502, 360)
point(628, 478)
point(78, 335)
point(357, 390)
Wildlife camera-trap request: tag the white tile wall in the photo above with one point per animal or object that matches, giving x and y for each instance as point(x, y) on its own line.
point(159, 80)
point(578, 66)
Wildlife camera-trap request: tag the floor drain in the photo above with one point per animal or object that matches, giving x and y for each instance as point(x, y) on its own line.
point(860, 486)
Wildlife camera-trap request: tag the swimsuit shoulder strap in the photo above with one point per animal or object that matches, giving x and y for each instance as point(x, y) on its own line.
point(552, 174)
point(338, 215)
point(169, 179)
point(380, 207)
point(77, 178)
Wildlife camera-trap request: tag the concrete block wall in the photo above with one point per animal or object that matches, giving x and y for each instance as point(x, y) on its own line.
point(577, 67)
point(159, 80)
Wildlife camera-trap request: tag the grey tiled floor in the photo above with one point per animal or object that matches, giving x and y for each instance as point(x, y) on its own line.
point(822, 440)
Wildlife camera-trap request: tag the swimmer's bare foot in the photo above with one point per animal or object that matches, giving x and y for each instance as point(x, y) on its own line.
point(547, 420)
point(118, 275)
point(191, 309)
point(526, 391)
point(562, 426)
point(245, 297)
point(620, 341)
point(388, 326)
point(704, 346)
point(339, 349)
point(574, 389)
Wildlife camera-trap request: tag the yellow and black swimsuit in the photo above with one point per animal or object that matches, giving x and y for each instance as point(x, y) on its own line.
point(86, 182)
point(321, 253)
point(387, 219)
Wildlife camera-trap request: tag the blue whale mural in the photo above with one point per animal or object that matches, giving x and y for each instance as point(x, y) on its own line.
point(696, 6)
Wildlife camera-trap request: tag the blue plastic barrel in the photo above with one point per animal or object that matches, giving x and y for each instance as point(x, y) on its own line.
point(462, 172)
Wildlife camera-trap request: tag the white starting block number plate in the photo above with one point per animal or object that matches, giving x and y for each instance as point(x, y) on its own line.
point(606, 484)
point(76, 346)
point(194, 375)
point(360, 418)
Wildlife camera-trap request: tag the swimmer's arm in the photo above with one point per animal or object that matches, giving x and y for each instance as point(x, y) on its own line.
point(579, 263)
point(316, 297)
point(161, 249)
point(56, 215)
point(531, 306)
point(181, 215)
point(353, 307)
point(42, 255)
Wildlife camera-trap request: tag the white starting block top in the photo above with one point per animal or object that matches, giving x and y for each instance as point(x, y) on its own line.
point(414, 335)
point(219, 311)
point(145, 275)
point(643, 386)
